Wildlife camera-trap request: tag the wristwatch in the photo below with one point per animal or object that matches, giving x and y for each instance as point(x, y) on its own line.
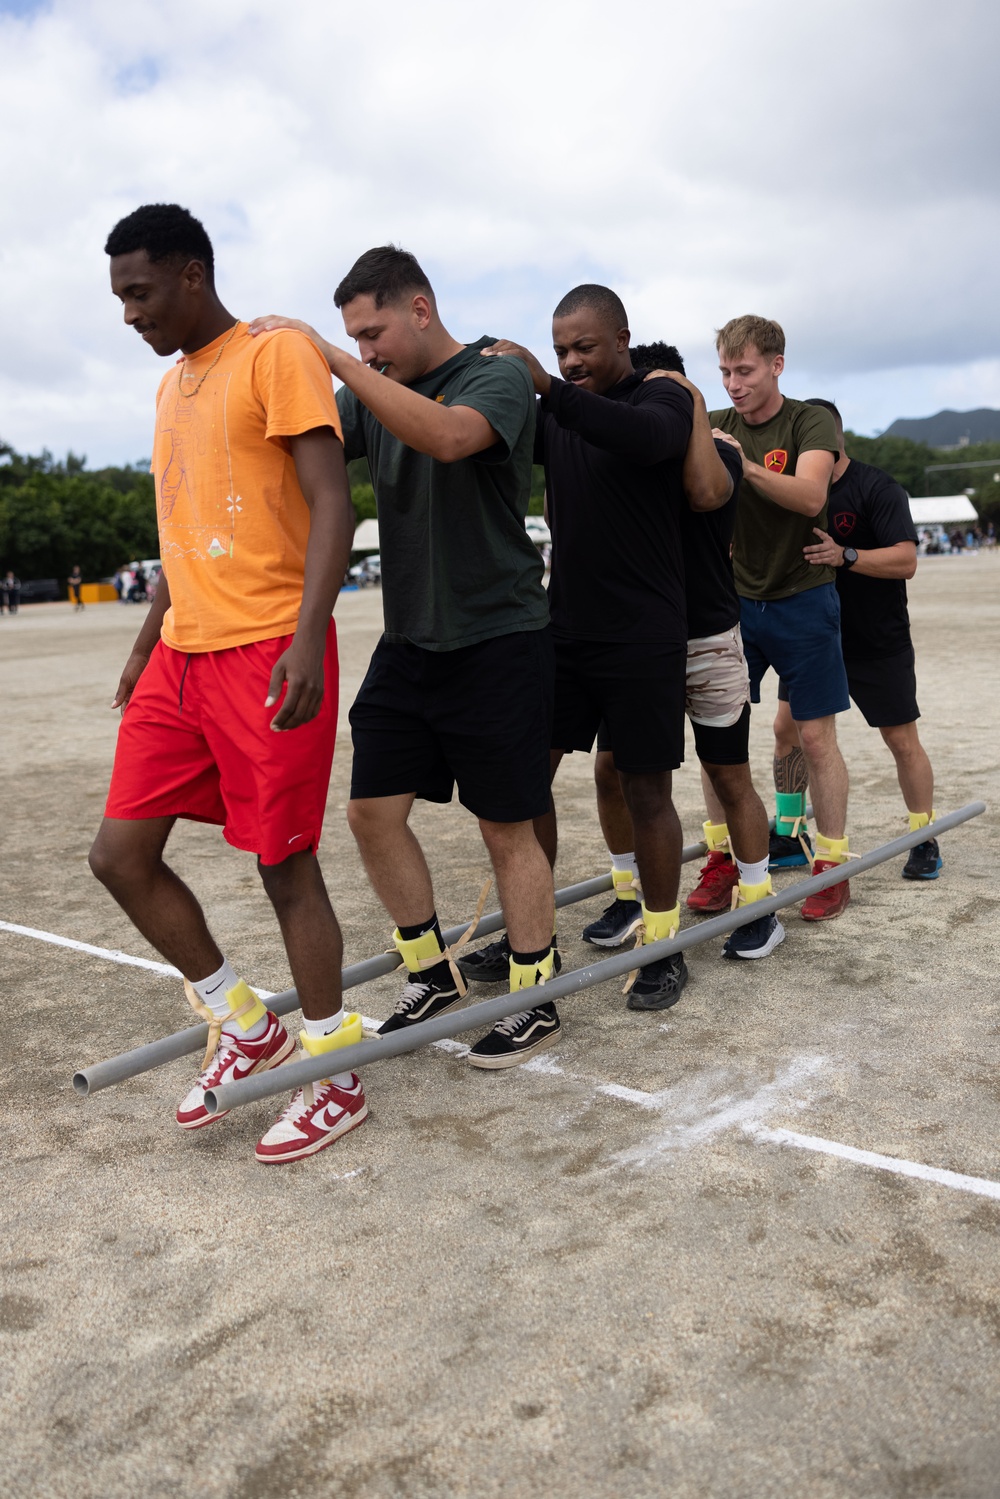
point(850, 557)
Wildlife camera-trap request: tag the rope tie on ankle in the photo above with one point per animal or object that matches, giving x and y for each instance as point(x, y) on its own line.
point(215, 1022)
point(448, 954)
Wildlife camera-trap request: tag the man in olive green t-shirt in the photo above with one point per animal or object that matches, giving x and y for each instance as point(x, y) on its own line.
point(789, 611)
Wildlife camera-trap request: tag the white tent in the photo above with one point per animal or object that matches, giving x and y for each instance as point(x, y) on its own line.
point(366, 537)
point(942, 511)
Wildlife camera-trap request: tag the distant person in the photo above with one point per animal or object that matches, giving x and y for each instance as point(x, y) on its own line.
point(75, 581)
point(789, 610)
point(137, 593)
point(117, 583)
point(872, 544)
point(229, 697)
point(10, 593)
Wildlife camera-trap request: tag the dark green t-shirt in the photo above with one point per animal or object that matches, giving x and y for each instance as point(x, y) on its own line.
point(457, 563)
point(768, 540)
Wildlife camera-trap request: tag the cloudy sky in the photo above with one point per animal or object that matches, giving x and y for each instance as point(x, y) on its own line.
point(831, 164)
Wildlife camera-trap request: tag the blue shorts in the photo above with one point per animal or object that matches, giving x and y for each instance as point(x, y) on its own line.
point(800, 638)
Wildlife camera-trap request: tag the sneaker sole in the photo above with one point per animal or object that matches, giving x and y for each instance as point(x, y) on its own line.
point(264, 1066)
point(514, 1059)
point(619, 941)
point(775, 940)
point(789, 863)
point(933, 876)
point(456, 1004)
point(350, 1121)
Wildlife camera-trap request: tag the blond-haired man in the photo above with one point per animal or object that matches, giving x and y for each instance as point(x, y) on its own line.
point(789, 609)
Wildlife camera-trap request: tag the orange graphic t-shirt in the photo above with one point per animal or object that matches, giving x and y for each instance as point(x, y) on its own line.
point(232, 518)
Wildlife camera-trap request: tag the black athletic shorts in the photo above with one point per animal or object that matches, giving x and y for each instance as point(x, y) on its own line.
point(885, 690)
point(638, 693)
point(479, 717)
point(729, 745)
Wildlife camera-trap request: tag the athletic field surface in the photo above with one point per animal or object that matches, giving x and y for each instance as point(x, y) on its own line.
point(746, 1247)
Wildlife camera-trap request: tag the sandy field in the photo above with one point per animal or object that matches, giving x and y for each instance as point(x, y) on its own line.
point(647, 1263)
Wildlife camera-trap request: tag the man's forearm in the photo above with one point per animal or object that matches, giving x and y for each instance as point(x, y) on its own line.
point(153, 623)
point(707, 483)
point(424, 425)
point(804, 496)
point(643, 434)
point(886, 562)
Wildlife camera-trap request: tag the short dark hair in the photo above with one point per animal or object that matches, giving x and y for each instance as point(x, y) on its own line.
point(386, 274)
point(166, 232)
point(827, 406)
point(657, 356)
point(600, 299)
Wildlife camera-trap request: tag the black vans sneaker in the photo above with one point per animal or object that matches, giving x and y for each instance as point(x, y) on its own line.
point(925, 862)
point(517, 1038)
point(615, 926)
point(659, 985)
point(421, 1000)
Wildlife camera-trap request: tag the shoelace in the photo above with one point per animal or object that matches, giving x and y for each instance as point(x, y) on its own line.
point(509, 1026)
point(412, 996)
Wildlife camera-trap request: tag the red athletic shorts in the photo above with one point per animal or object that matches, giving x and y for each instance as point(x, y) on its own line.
point(194, 742)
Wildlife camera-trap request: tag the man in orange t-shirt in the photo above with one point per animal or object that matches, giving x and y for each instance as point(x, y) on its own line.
point(229, 698)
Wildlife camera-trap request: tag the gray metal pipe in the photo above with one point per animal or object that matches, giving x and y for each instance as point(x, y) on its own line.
point(296, 1074)
point(193, 1038)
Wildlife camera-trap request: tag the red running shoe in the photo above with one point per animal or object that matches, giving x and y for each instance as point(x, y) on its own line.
point(716, 882)
point(824, 905)
point(316, 1116)
point(235, 1058)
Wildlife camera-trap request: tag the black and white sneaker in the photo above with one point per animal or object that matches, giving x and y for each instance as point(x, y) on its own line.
point(924, 863)
point(491, 964)
point(659, 985)
point(421, 1000)
point(517, 1039)
point(757, 939)
point(616, 925)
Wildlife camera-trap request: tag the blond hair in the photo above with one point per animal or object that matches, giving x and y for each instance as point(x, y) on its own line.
point(767, 337)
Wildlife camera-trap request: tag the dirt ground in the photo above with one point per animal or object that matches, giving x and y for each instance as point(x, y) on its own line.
point(605, 1274)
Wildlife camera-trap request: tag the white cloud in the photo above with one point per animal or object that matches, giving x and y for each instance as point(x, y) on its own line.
point(827, 165)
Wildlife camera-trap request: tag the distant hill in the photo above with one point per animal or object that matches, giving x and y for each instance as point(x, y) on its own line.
point(949, 429)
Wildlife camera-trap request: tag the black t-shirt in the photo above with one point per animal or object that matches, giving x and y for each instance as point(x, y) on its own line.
point(713, 604)
point(457, 564)
point(868, 509)
point(613, 478)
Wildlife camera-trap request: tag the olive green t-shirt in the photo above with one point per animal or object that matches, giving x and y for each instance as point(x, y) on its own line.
point(457, 563)
point(768, 540)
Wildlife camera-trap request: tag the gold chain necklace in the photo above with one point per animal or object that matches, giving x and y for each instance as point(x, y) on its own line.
point(184, 375)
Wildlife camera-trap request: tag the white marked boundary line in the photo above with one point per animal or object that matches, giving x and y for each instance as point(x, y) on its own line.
point(954, 1179)
point(896, 1164)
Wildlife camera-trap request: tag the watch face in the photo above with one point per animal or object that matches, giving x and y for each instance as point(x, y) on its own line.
point(850, 556)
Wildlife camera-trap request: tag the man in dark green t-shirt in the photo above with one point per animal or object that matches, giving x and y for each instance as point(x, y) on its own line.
point(460, 687)
point(789, 610)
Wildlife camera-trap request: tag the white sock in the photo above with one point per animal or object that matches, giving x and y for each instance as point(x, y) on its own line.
point(212, 992)
point(626, 864)
point(326, 1027)
point(752, 874)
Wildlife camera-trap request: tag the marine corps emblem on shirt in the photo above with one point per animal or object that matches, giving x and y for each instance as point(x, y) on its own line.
point(775, 460)
point(843, 522)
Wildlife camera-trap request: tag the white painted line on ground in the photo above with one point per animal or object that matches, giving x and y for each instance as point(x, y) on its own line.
point(978, 1184)
point(96, 952)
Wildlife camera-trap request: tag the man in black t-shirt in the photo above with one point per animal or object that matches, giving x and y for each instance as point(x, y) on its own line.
point(717, 704)
point(459, 690)
point(872, 542)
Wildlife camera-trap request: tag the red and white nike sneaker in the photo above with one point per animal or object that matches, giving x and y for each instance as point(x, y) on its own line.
point(235, 1058)
point(824, 905)
point(316, 1116)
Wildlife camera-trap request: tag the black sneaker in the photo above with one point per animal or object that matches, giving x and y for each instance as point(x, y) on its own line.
point(615, 926)
point(787, 853)
point(925, 862)
point(517, 1038)
point(421, 1000)
point(491, 964)
point(659, 984)
point(757, 939)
